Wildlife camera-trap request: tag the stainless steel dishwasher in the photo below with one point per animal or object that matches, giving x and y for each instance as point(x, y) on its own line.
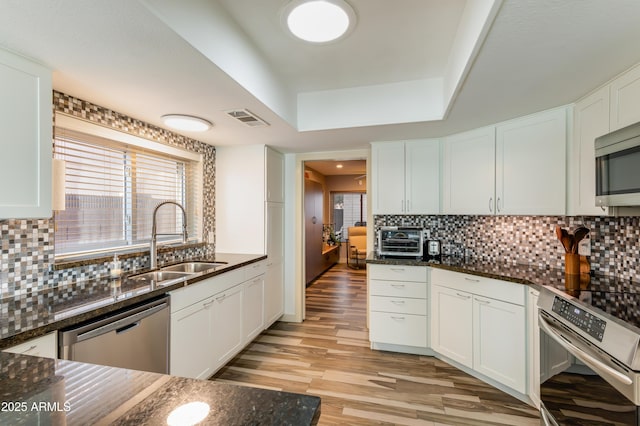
point(136, 338)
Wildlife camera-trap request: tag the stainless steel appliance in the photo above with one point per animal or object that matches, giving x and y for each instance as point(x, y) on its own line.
point(397, 241)
point(598, 326)
point(136, 338)
point(618, 167)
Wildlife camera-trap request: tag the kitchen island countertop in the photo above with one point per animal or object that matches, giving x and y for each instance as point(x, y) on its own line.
point(46, 391)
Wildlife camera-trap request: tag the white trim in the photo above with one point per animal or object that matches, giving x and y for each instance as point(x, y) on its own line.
point(65, 121)
point(299, 264)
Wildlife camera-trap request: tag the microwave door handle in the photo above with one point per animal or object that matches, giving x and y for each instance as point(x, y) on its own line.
point(597, 365)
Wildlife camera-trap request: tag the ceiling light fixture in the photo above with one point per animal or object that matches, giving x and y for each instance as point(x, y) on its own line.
point(319, 21)
point(339, 166)
point(187, 123)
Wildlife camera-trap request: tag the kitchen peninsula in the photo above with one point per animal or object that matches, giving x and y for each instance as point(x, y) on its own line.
point(46, 391)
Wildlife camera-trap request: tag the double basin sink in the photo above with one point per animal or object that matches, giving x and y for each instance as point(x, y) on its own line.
point(175, 273)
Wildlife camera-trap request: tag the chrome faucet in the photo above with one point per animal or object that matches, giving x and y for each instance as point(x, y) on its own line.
point(153, 246)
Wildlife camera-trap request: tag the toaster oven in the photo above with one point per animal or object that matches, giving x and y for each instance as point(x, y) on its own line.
point(395, 241)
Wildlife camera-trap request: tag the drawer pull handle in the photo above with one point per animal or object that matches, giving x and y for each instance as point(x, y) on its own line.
point(397, 318)
point(397, 285)
point(472, 280)
point(32, 347)
point(224, 296)
point(397, 269)
point(206, 305)
point(484, 302)
point(398, 302)
point(464, 296)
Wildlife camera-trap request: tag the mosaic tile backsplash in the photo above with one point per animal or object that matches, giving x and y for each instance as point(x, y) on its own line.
point(615, 245)
point(27, 246)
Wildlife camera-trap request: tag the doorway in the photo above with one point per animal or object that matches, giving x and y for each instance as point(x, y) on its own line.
point(335, 199)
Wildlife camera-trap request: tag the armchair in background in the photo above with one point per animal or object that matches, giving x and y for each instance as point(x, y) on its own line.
point(356, 246)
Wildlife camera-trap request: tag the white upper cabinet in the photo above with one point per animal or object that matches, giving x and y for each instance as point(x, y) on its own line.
point(406, 177)
point(469, 172)
point(517, 167)
point(625, 99)
point(26, 123)
point(275, 176)
point(531, 164)
point(591, 120)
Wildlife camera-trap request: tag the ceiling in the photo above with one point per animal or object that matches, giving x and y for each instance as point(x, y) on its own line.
point(146, 58)
point(329, 168)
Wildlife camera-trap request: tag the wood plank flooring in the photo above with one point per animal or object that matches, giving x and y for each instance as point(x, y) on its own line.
point(328, 355)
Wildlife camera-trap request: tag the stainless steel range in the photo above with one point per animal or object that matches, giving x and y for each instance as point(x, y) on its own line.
point(598, 324)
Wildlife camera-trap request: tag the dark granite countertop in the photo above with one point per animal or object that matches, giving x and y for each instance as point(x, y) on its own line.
point(61, 305)
point(46, 391)
point(531, 275)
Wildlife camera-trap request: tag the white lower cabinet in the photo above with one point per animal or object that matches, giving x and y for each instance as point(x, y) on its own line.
point(499, 342)
point(192, 340)
point(480, 323)
point(273, 293)
point(452, 324)
point(227, 325)
point(213, 320)
point(253, 308)
point(44, 346)
point(398, 305)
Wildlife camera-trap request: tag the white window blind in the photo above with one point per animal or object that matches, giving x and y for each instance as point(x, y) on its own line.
point(112, 189)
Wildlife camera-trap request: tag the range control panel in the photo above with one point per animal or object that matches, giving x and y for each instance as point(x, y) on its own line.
point(582, 319)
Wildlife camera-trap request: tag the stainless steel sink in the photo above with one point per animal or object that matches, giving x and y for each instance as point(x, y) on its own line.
point(193, 267)
point(160, 277)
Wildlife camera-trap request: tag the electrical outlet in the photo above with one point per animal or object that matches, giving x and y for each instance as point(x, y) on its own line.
point(210, 237)
point(584, 246)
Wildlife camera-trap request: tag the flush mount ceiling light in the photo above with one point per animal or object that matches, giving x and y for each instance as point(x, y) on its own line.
point(319, 21)
point(187, 123)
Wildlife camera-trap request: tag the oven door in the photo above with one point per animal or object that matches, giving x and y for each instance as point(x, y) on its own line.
point(593, 390)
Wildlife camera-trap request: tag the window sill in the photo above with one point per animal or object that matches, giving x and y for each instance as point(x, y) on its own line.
point(92, 259)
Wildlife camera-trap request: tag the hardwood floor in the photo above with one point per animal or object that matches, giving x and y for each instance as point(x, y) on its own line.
point(328, 355)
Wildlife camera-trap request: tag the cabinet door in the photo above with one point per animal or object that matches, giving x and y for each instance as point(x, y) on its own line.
point(469, 173)
point(422, 176)
point(591, 120)
point(26, 123)
point(625, 99)
point(275, 232)
point(499, 342)
point(275, 176)
point(388, 173)
point(531, 164)
point(253, 308)
point(227, 325)
point(191, 341)
point(451, 324)
point(273, 293)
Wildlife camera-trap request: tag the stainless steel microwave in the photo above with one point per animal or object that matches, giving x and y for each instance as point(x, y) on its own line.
point(618, 167)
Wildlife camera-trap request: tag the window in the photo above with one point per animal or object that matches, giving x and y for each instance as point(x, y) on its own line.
point(349, 209)
point(112, 189)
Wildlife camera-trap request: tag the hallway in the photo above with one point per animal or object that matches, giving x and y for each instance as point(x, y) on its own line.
point(328, 355)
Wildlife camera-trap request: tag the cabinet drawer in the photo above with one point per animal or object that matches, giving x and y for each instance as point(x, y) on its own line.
point(398, 305)
point(44, 346)
point(398, 329)
point(398, 273)
point(481, 286)
point(255, 269)
point(398, 289)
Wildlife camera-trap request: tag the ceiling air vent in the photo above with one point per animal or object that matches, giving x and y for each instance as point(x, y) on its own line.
point(247, 118)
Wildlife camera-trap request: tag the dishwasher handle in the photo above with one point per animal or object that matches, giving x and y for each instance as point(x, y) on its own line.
point(119, 323)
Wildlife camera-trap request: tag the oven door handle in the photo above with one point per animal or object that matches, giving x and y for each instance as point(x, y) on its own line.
point(596, 364)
